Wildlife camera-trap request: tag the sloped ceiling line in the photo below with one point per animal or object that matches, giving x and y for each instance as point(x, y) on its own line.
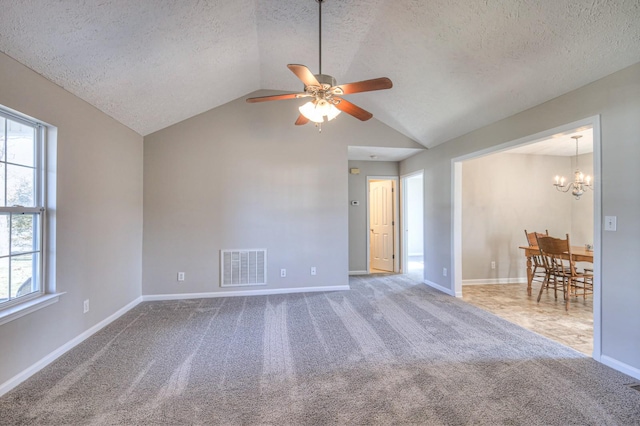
point(456, 65)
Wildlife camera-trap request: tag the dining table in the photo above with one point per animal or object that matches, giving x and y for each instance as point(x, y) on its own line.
point(578, 254)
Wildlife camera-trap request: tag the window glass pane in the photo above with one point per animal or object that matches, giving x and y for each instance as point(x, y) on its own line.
point(4, 279)
point(20, 186)
point(2, 129)
point(4, 234)
point(2, 186)
point(20, 144)
point(22, 233)
point(21, 273)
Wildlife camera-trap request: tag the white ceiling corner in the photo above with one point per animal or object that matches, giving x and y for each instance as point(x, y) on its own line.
point(456, 65)
point(559, 145)
point(377, 153)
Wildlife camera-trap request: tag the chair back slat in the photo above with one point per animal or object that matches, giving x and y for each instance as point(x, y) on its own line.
point(556, 253)
point(532, 237)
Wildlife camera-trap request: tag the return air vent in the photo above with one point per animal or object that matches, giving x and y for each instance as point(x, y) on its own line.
point(243, 267)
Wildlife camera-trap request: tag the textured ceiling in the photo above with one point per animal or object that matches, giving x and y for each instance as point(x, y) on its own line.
point(560, 145)
point(456, 65)
point(377, 153)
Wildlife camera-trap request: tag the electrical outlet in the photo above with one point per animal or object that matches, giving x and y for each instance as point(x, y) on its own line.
point(493, 264)
point(85, 307)
point(180, 276)
point(313, 270)
point(444, 272)
point(283, 272)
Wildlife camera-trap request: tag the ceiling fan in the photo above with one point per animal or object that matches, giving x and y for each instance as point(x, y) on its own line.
point(326, 95)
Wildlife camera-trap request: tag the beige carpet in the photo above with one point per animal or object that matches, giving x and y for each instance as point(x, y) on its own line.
point(390, 351)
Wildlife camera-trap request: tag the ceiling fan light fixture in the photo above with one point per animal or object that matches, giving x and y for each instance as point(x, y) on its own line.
point(333, 112)
point(317, 110)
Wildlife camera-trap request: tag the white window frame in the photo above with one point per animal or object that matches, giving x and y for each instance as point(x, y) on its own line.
point(15, 308)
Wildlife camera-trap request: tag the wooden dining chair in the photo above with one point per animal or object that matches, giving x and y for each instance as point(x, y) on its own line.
point(539, 272)
point(553, 279)
point(559, 266)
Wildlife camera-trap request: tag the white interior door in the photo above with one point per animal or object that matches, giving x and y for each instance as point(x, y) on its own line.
point(381, 223)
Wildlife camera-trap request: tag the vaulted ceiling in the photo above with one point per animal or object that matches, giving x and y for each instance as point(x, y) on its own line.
point(456, 65)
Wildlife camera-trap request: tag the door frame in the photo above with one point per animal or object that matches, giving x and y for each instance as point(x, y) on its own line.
point(396, 254)
point(456, 212)
point(404, 241)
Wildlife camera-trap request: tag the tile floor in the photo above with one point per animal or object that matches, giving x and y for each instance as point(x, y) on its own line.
point(573, 328)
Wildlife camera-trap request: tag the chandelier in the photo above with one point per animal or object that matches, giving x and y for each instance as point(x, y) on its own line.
point(580, 181)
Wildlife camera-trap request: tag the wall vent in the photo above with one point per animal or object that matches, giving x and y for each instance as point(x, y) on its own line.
point(243, 267)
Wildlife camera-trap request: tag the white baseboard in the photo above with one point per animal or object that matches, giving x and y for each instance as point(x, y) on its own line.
point(262, 292)
point(440, 288)
point(358, 272)
point(30, 371)
point(621, 366)
point(520, 280)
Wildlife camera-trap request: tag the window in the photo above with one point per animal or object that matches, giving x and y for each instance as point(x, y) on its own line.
point(21, 210)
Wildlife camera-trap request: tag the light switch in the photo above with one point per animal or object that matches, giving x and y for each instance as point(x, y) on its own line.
point(610, 223)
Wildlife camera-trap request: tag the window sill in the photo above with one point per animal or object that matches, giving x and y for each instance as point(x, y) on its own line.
point(26, 308)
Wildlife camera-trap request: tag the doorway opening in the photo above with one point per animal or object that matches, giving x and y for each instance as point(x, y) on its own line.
point(412, 207)
point(510, 268)
point(382, 238)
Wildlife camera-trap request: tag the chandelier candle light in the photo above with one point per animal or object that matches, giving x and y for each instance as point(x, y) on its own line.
point(580, 181)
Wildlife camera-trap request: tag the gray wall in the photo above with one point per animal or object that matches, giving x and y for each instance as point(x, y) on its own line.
point(96, 217)
point(504, 194)
point(358, 214)
point(581, 215)
point(243, 176)
point(616, 98)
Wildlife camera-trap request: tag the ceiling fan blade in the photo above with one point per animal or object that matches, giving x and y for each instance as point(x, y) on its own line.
point(304, 74)
point(351, 109)
point(276, 97)
point(363, 86)
point(302, 120)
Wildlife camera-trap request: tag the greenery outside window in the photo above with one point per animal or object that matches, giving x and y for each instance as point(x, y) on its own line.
point(21, 210)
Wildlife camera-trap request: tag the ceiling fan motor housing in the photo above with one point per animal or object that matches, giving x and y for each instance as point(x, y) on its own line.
point(325, 80)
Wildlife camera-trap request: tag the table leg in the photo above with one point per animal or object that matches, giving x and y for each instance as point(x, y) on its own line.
point(529, 275)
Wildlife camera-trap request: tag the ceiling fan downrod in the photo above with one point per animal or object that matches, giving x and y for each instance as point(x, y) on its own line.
point(319, 125)
point(320, 35)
